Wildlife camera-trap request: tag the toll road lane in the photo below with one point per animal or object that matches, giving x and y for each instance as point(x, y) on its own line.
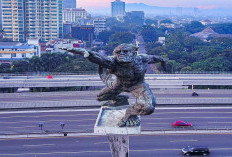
point(97, 146)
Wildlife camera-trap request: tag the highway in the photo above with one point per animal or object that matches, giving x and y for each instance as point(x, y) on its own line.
point(97, 146)
point(88, 98)
point(155, 80)
point(82, 121)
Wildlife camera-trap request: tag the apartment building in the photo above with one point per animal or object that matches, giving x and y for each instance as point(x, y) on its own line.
point(32, 19)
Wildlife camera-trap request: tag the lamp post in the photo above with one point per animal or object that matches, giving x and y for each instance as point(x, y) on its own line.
point(41, 124)
point(62, 124)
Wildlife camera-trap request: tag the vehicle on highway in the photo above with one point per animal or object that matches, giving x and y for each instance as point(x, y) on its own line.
point(179, 123)
point(195, 94)
point(5, 77)
point(21, 90)
point(49, 76)
point(195, 150)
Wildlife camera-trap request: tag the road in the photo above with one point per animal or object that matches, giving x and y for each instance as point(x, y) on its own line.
point(155, 80)
point(79, 121)
point(97, 146)
point(88, 98)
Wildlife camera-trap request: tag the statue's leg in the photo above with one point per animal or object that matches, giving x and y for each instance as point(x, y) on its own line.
point(112, 97)
point(145, 105)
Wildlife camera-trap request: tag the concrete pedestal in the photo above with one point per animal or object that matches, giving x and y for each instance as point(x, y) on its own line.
point(119, 145)
point(107, 124)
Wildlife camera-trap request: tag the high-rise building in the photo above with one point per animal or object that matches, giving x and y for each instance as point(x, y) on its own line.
point(69, 3)
point(117, 8)
point(27, 19)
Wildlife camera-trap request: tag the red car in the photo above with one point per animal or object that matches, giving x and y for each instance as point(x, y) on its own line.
point(181, 124)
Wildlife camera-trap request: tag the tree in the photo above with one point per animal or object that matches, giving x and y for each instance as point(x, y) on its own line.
point(105, 36)
point(5, 67)
point(121, 37)
point(35, 64)
point(190, 43)
point(21, 66)
point(219, 63)
point(223, 41)
point(151, 22)
point(150, 34)
point(225, 28)
point(194, 27)
point(166, 21)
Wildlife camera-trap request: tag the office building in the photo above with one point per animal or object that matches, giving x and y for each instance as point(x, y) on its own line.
point(69, 4)
point(18, 51)
point(37, 19)
point(99, 25)
point(84, 33)
point(117, 8)
point(72, 15)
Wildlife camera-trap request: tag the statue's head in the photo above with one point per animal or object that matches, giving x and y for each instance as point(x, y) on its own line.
point(125, 53)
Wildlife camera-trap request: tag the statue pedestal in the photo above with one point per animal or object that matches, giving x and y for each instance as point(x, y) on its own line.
point(107, 124)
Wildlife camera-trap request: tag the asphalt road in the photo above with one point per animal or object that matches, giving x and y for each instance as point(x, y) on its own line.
point(202, 118)
point(97, 146)
point(91, 95)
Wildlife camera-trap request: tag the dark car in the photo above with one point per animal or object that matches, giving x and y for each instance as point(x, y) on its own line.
point(195, 150)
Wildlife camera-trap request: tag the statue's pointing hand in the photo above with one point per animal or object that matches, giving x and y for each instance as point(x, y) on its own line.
point(80, 51)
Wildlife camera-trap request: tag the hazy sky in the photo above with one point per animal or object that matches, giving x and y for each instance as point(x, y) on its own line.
point(203, 4)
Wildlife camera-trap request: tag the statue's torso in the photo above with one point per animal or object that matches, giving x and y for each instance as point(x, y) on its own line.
point(130, 74)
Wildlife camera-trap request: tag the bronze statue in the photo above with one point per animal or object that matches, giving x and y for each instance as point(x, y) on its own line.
point(129, 69)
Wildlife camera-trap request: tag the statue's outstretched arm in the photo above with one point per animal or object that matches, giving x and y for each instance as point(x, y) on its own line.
point(151, 59)
point(92, 56)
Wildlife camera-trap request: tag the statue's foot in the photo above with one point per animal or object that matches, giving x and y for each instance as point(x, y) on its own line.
point(109, 103)
point(114, 103)
point(130, 122)
point(121, 101)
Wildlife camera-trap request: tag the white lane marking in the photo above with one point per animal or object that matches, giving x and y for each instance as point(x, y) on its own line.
point(49, 121)
point(221, 122)
point(186, 118)
point(48, 111)
point(21, 127)
point(49, 153)
point(157, 123)
point(65, 115)
point(184, 141)
point(101, 143)
point(38, 145)
point(98, 109)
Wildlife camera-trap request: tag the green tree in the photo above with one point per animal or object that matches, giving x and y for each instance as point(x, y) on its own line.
point(21, 66)
point(121, 37)
point(105, 36)
point(166, 21)
point(35, 64)
point(5, 68)
point(151, 22)
point(150, 34)
point(194, 27)
point(222, 28)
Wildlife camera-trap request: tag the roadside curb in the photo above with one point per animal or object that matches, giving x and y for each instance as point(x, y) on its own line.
point(66, 134)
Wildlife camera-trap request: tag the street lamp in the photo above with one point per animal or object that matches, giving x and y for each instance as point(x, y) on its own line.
point(41, 124)
point(62, 124)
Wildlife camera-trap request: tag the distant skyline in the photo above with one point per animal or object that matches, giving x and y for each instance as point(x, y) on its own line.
point(201, 4)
